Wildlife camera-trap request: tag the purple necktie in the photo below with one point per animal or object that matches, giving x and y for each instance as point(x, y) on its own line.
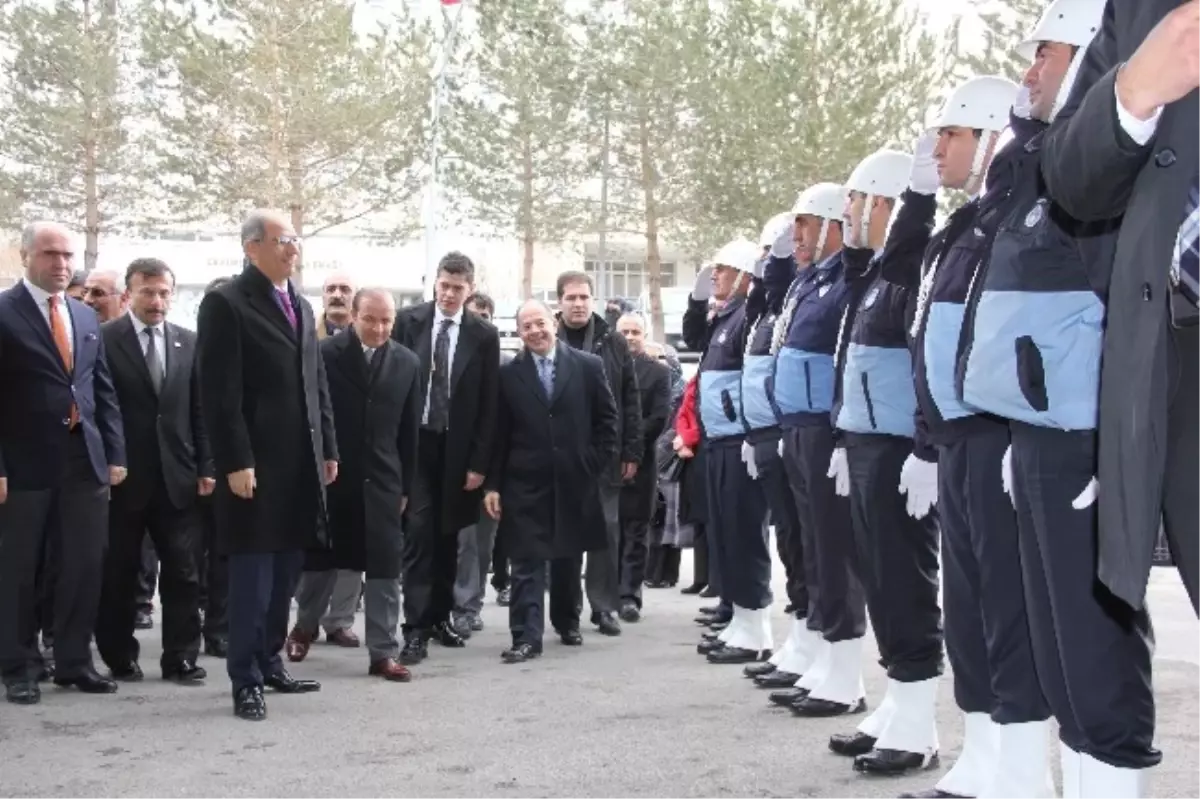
point(285, 302)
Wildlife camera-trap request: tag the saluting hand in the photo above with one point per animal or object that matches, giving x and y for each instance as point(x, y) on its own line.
point(242, 483)
point(1166, 65)
point(491, 504)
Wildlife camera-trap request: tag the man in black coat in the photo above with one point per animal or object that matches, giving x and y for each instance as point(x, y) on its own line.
point(639, 496)
point(270, 424)
point(583, 329)
point(375, 391)
point(61, 447)
point(460, 357)
point(556, 435)
point(170, 467)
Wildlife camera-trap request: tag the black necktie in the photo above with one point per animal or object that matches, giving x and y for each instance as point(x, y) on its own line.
point(152, 362)
point(439, 380)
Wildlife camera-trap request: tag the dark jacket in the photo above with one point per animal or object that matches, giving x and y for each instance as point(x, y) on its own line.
point(377, 411)
point(654, 387)
point(610, 347)
point(36, 392)
point(473, 380)
point(165, 439)
point(550, 453)
point(266, 406)
point(1095, 171)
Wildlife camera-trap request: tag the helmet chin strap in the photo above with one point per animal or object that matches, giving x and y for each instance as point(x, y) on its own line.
point(980, 163)
point(864, 226)
point(821, 237)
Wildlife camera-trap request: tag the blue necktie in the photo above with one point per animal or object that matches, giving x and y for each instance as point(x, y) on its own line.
point(546, 373)
point(1189, 246)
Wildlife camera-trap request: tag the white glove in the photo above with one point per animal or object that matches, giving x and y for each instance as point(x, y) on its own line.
point(779, 449)
point(919, 479)
point(839, 470)
point(748, 459)
point(923, 178)
point(702, 289)
point(784, 243)
point(1006, 473)
point(1088, 496)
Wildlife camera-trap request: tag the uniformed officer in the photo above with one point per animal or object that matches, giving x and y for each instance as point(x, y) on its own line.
point(761, 452)
point(1031, 354)
point(804, 387)
point(987, 633)
point(874, 413)
point(736, 509)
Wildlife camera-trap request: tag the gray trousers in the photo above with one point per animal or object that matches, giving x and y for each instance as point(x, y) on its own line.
point(603, 576)
point(381, 607)
point(327, 598)
point(474, 557)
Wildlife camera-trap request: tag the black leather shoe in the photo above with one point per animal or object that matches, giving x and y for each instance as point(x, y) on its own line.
point(710, 610)
point(88, 681)
point(853, 745)
point(694, 588)
point(932, 793)
point(143, 621)
point(131, 673)
point(25, 692)
point(630, 613)
point(445, 635)
point(606, 624)
point(788, 697)
point(520, 653)
point(730, 655)
point(249, 704)
point(755, 670)
point(789, 609)
point(216, 647)
point(504, 597)
point(186, 673)
point(285, 683)
point(777, 679)
point(706, 647)
point(714, 622)
point(893, 762)
point(823, 708)
point(712, 635)
point(571, 638)
point(462, 626)
point(415, 650)
point(708, 593)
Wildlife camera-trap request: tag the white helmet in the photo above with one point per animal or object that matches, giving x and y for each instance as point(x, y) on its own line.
point(741, 254)
point(1073, 22)
point(825, 200)
point(881, 174)
point(775, 228)
point(981, 103)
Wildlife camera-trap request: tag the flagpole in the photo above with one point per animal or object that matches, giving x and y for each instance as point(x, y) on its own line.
point(432, 254)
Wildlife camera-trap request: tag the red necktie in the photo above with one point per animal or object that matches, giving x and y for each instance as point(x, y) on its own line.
point(59, 332)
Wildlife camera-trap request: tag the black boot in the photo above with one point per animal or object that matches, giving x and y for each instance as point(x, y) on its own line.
point(670, 569)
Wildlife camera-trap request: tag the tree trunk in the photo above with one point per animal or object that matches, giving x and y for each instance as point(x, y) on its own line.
point(653, 258)
point(91, 194)
point(528, 236)
point(296, 208)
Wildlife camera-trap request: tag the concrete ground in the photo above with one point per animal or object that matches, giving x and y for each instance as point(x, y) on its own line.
point(641, 715)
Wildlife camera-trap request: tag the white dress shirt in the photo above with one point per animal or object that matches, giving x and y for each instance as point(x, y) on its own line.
point(452, 333)
point(160, 341)
point(42, 298)
point(1140, 130)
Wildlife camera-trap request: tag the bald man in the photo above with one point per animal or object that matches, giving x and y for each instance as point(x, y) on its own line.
point(61, 447)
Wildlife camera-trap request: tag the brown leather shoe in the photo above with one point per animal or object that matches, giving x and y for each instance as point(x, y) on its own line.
point(345, 638)
point(298, 642)
point(390, 670)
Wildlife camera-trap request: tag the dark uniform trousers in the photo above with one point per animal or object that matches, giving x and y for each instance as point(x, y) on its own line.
point(214, 576)
point(737, 527)
point(430, 554)
point(527, 608)
point(837, 602)
point(261, 587)
point(987, 630)
point(634, 552)
point(1181, 512)
point(772, 477)
point(1092, 651)
point(71, 520)
point(175, 534)
point(898, 558)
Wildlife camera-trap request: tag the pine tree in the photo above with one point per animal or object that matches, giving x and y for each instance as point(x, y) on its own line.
point(1003, 26)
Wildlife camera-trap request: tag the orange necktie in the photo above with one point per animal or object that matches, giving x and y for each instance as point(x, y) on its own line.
point(59, 332)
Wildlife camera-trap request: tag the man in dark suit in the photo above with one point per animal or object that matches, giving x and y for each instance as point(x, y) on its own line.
point(460, 356)
point(61, 447)
point(556, 436)
point(639, 496)
point(153, 367)
point(376, 397)
point(270, 424)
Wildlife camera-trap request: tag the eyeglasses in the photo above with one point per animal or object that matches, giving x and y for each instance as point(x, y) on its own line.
point(284, 241)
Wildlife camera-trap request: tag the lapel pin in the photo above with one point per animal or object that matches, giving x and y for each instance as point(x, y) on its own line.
point(177, 344)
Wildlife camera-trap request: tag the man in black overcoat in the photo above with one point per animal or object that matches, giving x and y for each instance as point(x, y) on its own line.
point(270, 425)
point(556, 434)
point(460, 356)
point(375, 391)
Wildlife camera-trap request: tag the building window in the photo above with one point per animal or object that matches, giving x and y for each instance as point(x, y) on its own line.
point(626, 278)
